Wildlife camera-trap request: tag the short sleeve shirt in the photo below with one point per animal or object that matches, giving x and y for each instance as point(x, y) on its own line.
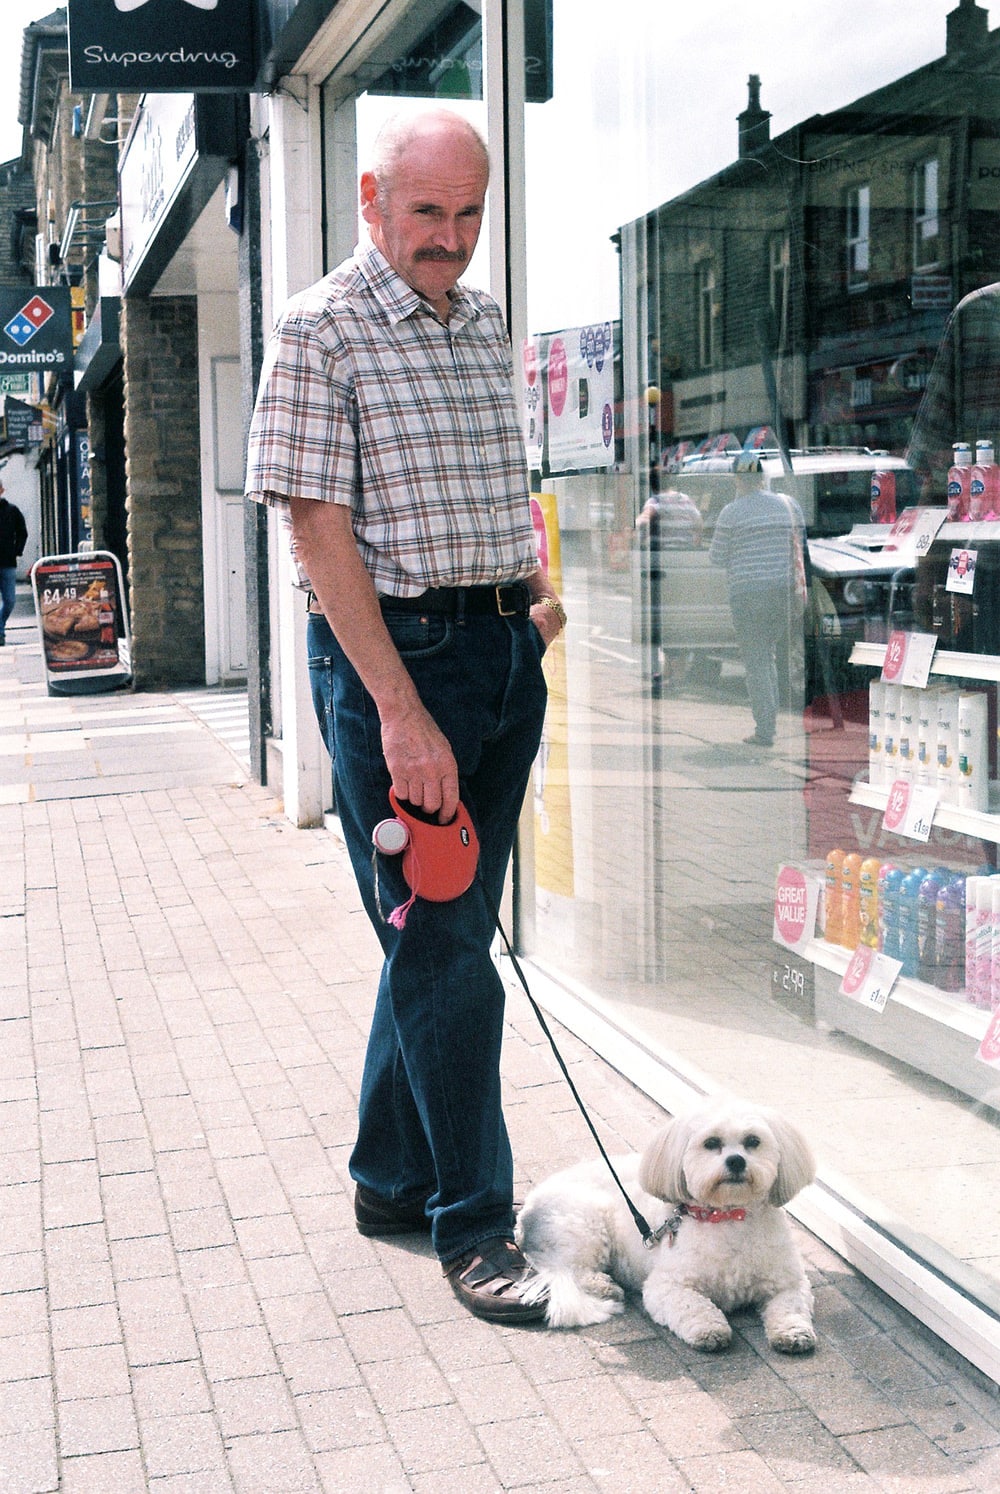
point(366, 398)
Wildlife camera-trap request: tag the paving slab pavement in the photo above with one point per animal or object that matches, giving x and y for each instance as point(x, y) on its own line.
point(185, 1304)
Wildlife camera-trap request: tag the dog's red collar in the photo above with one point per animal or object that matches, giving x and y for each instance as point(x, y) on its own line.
point(712, 1216)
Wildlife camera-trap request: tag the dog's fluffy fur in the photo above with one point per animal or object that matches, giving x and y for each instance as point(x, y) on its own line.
point(576, 1230)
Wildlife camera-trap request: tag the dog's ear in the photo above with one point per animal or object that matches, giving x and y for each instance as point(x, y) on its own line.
point(796, 1167)
point(661, 1167)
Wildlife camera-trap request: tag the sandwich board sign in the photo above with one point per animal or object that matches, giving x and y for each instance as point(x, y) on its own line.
point(83, 623)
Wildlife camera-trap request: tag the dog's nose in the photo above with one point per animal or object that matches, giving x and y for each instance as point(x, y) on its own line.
point(736, 1164)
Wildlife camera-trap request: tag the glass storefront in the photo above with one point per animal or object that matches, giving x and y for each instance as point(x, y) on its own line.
point(713, 287)
point(746, 229)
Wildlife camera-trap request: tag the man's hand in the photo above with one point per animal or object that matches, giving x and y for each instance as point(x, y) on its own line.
point(421, 763)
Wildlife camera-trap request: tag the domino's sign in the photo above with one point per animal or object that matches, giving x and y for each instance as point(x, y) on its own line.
point(162, 46)
point(36, 329)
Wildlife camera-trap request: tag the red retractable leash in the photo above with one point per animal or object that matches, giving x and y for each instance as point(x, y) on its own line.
point(440, 862)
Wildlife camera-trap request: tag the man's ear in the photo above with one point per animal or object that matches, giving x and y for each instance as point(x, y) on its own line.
point(369, 195)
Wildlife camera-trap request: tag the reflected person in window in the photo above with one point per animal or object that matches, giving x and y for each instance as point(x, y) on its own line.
point(760, 539)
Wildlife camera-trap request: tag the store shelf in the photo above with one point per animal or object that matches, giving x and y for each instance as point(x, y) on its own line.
point(935, 1032)
point(974, 822)
point(945, 662)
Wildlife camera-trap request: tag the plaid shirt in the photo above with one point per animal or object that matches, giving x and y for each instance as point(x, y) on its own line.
point(962, 398)
point(367, 399)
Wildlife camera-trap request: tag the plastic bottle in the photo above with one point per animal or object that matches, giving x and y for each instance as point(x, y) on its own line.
point(950, 936)
point(972, 906)
point(850, 933)
point(959, 480)
point(926, 767)
point(972, 767)
point(876, 759)
point(947, 745)
point(833, 901)
point(978, 980)
point(906, 753)
point(983, 482)
point(890, 733)
point(868, 902)
point(994, 947)
point(927, 900)
point(889, 911)
point(909, 893)
point(883, 497)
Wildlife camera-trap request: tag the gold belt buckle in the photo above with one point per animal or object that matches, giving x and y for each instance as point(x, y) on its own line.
point(501, 609)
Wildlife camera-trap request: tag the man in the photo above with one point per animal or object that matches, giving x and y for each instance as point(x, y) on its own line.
point(13, 538)
point(386, 428)
point(760, 538)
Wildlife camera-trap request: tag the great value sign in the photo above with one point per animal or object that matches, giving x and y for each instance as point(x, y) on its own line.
point(36, 331)
point(162, 46)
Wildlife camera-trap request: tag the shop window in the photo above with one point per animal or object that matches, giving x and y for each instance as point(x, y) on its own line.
point(926, 224)
point(858, 236)
point(707, 308)
point(779, 259)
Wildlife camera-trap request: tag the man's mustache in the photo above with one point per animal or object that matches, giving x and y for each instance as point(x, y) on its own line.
point(443, 256)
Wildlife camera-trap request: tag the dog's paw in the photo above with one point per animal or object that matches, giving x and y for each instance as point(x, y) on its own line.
point(710, 1340)
point(793, 1338)
point(599, 1284)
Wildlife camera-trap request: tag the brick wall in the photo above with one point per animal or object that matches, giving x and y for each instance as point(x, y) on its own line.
point(160, 347)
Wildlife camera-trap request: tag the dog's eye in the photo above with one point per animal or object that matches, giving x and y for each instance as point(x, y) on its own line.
point(749, 1142)
point(713, 1144)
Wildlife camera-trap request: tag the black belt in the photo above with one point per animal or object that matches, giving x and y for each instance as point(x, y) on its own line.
point(510, 600)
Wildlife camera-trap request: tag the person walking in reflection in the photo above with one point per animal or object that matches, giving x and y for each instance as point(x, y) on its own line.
point(760, 539)
point(671, 521)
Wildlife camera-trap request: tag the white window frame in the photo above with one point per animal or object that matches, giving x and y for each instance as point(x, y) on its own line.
point(925, 188)
point(858, 215)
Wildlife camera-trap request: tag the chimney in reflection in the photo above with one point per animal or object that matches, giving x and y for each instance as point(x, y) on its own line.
point(968, 27)
point(754, 122)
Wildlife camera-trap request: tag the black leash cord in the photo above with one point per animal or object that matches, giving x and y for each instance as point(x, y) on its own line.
point(650, 1237)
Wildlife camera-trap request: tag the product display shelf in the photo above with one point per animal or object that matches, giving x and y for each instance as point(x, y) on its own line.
point(977, 823)
point(933, 1031)
point(945, 662)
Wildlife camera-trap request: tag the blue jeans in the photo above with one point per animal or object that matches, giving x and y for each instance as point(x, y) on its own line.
point(764, 623)
point(430, 1122)
point(8, 593)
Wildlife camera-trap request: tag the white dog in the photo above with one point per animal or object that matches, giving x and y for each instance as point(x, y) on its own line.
point(713, 1182)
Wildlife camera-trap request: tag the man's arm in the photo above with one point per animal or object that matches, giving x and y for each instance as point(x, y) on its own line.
point(417, 754)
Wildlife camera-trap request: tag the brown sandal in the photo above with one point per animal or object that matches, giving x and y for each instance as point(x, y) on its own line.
point(491, 1281)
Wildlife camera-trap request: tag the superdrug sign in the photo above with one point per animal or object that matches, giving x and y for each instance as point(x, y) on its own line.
point(162, 46)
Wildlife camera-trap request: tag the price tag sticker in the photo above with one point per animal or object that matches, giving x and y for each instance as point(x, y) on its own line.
point(908, 658)
point(870, 977)
point(910, 810)
point(796, 900)
point(913, 533)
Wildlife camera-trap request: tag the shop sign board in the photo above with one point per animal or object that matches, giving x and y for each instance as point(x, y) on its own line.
point(16, 383)
point(83, 622)
point(162, 46)
point(158, 159)
point(36, 329)
point(578, 364)
point(21, 420)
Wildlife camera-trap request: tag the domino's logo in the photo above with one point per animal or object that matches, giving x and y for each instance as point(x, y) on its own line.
point(25, 323)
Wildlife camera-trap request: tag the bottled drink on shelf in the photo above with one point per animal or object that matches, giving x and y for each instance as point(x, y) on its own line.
point(950, 936)
point(883, 497)
point(983, 482)
point(889, 878)
point(833, 900)
point(868, 902)
point(850, 933)
point(909, 895)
